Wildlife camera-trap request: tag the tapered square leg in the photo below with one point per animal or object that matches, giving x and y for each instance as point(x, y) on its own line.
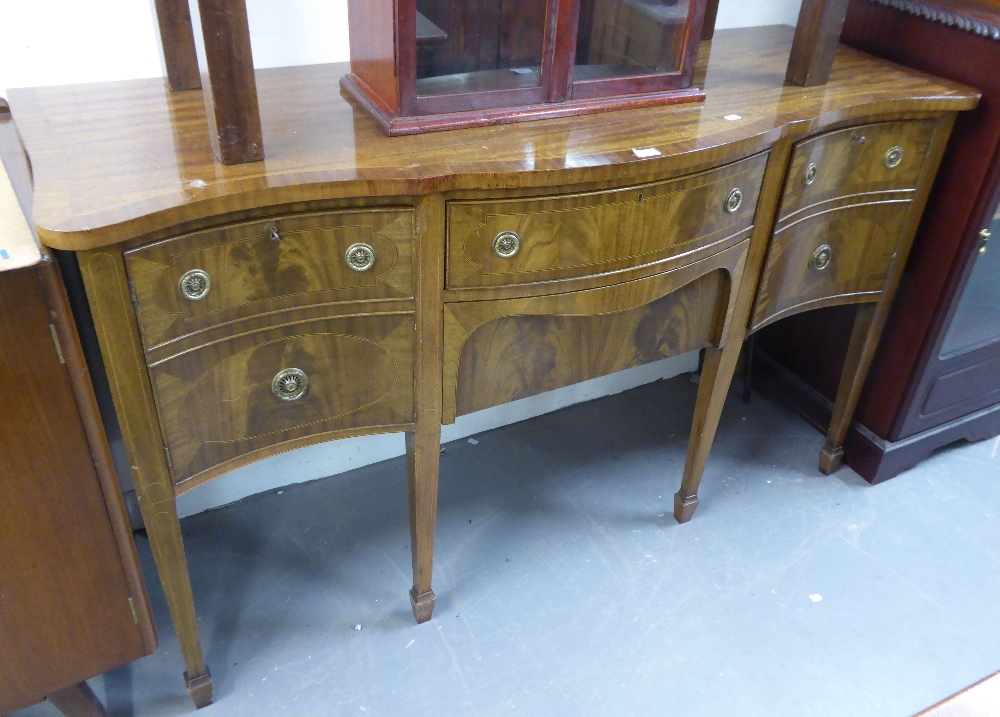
point(423, 457)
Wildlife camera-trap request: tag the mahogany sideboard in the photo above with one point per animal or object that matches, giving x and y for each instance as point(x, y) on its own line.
point(72, 600)
point(935, 378)
point(353, 283)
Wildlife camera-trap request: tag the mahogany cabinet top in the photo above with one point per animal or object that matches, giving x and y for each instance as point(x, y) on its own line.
point(113, 161)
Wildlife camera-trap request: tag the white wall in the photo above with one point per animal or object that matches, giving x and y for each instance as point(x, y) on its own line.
point(68, 41)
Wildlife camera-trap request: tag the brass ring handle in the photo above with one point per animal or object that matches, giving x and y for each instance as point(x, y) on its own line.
point(290, 384)
point(811, 171)
point(360, 256)
point(506, 244)
point(894, 157)
point(734, 201)
point(821, 257)
point(194, 284)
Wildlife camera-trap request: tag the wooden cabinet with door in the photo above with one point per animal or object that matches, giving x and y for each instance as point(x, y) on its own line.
point(72, 599)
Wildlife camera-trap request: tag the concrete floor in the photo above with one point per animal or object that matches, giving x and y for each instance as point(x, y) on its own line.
point(566, 588)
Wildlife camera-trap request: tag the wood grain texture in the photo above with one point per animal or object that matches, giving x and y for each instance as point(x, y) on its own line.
point(372, 59)
point(78, 701)
point(721, 358)
point(108, 295)
point(868, 325)
point(67, 579)
point(216, 403)
point(816, 36)
point(100, 452)
point(695, 325)
point(852, 161)
point(864, 240)
point(180, 54)
point(230, 88)
point(908, 361)
point(514, 357)
point(569, 236)
point(252, 272)
point(423, 445)
point(106, 165)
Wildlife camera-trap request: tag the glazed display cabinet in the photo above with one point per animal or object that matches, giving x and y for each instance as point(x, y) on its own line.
point(425, 65)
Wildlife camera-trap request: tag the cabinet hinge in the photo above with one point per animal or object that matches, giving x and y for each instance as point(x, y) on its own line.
point(166, 452)
point(55, 340)
point(131, 606)
point(132, 295)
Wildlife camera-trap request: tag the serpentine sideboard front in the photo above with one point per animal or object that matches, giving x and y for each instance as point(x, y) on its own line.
point(353, 283)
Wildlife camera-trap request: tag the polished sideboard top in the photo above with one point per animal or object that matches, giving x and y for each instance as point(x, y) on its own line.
point(114, 161)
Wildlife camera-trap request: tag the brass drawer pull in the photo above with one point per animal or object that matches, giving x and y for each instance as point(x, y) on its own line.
point(506, 244)
point(290, 384)
point(274, 234)
point(811, 173)
point(893, 157)
point(194, 284)
point(734, 201)
point(360, 256)
point(821, 257)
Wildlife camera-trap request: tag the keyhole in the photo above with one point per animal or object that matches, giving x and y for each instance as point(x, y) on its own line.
point(640, 197)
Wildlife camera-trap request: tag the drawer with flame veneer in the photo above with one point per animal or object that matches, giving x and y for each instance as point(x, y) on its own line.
point(881, 157)
point(197, 281)
point(508, 242)
point(847, 210)
point(230, 402)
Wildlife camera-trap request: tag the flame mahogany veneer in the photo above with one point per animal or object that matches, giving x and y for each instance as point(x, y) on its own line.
point(504, 261)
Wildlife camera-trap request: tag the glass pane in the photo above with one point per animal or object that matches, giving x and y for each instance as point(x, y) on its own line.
point(977, 319)
point(624, 38)
point(478, 45)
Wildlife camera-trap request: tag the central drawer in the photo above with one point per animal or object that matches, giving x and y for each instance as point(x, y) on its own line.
point(519, 241)
point(196, 281)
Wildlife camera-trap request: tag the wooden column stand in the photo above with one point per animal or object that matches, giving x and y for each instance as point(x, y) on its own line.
point(816, 37)
point(226, 75)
